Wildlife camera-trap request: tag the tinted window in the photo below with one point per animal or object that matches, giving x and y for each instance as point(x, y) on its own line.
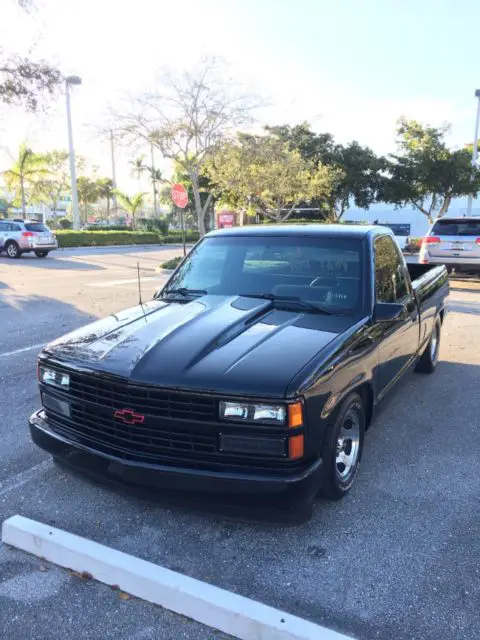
point(15, 227)
point(390, 281)
point(3, 226)
point(456, 228)
point(35, 226)
point(316, 269)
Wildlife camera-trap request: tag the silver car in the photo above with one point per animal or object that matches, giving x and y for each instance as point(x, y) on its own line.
point(23, 236)
point(454, 242)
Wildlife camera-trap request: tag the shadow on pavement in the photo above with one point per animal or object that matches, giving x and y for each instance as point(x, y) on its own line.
point(55, 263)
point(470, 308)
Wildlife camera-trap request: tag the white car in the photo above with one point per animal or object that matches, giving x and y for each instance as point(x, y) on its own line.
point(24, 236)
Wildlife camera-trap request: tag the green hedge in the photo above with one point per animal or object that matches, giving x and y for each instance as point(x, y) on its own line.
point(105, 238)
point(175, 237)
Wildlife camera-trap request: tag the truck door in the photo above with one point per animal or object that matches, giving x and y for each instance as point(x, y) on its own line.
point(399, 339)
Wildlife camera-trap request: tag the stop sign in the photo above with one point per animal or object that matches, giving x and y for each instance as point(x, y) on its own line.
point(179, 195)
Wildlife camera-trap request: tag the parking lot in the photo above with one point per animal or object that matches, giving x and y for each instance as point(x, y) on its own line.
point(399, 557)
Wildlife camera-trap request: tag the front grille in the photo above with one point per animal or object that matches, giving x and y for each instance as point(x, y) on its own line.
point(148, 442)
point(178, 429)
point(148, 400)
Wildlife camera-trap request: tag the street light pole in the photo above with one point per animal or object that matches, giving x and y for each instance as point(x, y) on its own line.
point(475, 149)
point(114, 179)
point(70, 81)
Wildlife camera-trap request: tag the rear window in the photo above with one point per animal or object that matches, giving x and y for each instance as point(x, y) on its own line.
point(456, 228)
point(35, 226)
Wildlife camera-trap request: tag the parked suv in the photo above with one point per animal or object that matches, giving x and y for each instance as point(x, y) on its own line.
point(454, 242)
point(24, 236)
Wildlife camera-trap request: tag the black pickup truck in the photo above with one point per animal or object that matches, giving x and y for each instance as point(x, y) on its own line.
point(255, 370)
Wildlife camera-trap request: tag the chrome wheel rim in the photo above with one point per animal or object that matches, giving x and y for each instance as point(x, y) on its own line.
point(348, 445)
point(12, 251)
point(434, 344)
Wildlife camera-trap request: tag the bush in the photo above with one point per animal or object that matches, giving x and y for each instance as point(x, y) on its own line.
point(160, 225)
point(113, 227)
point(105, 238)
point(175, 237)
point(65, 223)
point(172, 264)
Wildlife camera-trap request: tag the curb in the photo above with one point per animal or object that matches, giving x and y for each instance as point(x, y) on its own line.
point(219, 609)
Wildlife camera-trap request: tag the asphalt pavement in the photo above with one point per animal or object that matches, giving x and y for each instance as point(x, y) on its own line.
point(397, 558)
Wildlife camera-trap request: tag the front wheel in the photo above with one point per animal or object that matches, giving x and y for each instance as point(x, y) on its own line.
point(41, 254)
point(13, 250)
point(429, 360)
point(342, 448)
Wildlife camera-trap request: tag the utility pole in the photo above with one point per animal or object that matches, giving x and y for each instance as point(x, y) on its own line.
point(72, 81)
point(154, 182)
point(114, 179)
point(475, 149)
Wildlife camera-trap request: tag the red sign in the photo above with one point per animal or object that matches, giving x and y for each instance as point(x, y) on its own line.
point(225, 219)
point(180, 195)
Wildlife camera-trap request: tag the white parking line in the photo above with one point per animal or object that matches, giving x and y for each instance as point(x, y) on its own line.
point(13, 353)
point(228, 612)
point(111, 283)
point(25, 476)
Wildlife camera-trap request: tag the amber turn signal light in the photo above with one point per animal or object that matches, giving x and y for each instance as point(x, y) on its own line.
point(295, 447)
point(295, 414)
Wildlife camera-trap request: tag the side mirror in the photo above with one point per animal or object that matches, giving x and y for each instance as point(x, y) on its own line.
point(387, 312)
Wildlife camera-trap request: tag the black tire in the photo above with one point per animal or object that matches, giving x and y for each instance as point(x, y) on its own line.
point(429, 359)
point(338, 477)
point(41, 254)
point(13, 250)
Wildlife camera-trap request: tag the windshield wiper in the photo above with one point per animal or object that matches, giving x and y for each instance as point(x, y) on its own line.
point(306, 304)
point(184, 291)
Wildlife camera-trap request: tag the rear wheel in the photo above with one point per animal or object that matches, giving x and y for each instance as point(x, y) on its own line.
point(41, 254)
point(13, 250)
point(429, 360)
point(342, 448)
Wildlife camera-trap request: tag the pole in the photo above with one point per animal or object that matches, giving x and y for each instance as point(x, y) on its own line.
point(114, 179)
point(73, 173)
point(475, 150)
point(154, 182)
point(183, 232)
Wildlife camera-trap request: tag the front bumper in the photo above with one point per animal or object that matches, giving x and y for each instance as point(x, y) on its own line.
point(280, 490)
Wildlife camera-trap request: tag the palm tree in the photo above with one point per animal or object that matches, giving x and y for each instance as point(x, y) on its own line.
point(138, 168)
point(106, 190)
point(88, 193)
point(131, 204)
point(27, 168)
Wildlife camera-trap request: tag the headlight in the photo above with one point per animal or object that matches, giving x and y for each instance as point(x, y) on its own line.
point(54, 378)
point(247, 412)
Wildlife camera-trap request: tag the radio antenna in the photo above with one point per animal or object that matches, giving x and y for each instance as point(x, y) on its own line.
point(140, 289)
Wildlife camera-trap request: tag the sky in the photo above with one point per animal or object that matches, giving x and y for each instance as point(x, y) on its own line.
point(350, 67)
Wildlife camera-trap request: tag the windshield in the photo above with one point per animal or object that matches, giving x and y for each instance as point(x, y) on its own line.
point(325, 271)
point(35, 226)
point(456, 228)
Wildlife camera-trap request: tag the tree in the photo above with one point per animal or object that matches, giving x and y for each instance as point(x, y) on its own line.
point(426, 174)
point(187, 119)
point(26, 169)
point(25, 82)
point(88, 193)
point(106, 190)
point(131, 204)
point(51, 187)
point(138, 167)
point(261, 172)
point(361, 168)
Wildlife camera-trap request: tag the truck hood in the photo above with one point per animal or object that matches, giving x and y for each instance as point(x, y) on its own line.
point(228, 345)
